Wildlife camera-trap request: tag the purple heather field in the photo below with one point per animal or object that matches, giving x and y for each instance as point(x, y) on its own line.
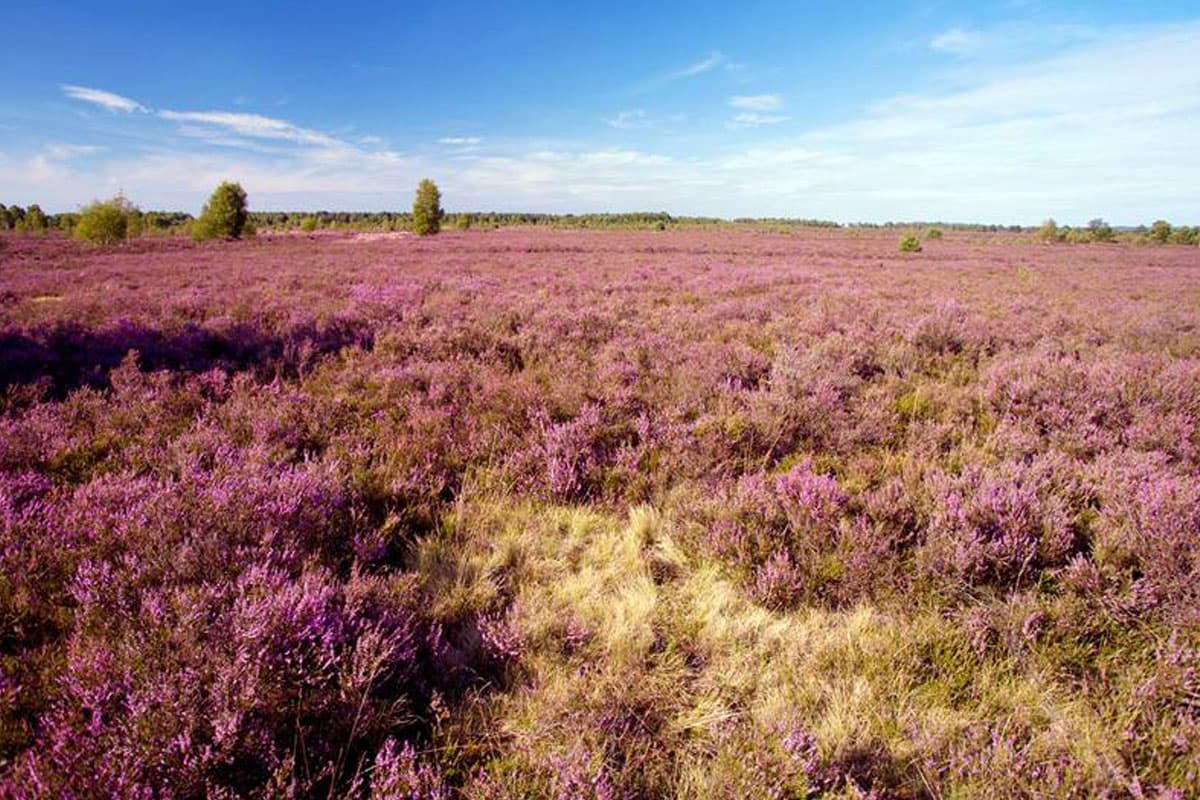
point(522, 513)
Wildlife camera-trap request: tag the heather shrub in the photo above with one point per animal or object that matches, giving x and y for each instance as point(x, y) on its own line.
point(910, 243)
point(365, 527)
point(1005, 526)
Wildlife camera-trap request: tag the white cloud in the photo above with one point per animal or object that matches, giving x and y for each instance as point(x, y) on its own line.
point(251, 125)
point(99, 97)
point(1104, 127)
point(957, 41)
point(713, 59)
point(750, 119)
point(62, 152)
point(460, 141)
point(709, 62)
point(756, 102)
point(623, 120)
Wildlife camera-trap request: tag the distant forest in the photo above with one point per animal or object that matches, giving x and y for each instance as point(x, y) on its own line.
point(32, 219)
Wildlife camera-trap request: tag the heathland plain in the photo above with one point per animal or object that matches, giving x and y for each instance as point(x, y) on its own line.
point(535, 513)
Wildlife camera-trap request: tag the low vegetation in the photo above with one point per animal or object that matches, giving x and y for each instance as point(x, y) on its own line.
point(558, 514)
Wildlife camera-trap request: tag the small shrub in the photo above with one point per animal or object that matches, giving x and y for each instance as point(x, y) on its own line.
point(1185, 235)
point(1049, 231)
point(224, 215)
point(1160, 231)
point(106, 222)
point(1100, 231)
point(910, 244)
point(308, 224)
point(933, 233)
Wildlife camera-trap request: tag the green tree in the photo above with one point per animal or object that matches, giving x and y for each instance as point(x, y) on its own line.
point(1049, 231)
point(1185, 235)
point(34, 220)
point(1160, 231)
point(427, 209)
point(107, 221)
point(224, 215)
point(1100, 231)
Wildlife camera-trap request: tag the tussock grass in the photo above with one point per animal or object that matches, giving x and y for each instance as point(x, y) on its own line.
point(658, 669)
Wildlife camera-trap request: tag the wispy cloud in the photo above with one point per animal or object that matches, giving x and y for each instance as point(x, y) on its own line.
point(750, 119)
point(1104, 125)
point(64, 151)
point(756, 102)
point(99, 97)
point(713, 59)
point(634, 118)
point(957, 41)
point(251, 125)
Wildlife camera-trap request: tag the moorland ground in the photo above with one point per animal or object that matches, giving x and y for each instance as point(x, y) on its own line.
point(529, 513)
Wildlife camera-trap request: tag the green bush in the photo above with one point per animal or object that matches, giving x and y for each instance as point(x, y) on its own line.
point(224, 215)
point(107, 221)
point(1100, 231)
point(1185, 235)
point(933, 233)
point(427, 209)
point(910, 244)
point(1160, 231)
point(34, 221)
point(308, 224)
point(1049, 231)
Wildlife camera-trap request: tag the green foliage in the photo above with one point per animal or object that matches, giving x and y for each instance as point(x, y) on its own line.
point(1100, 231)
point(427, 209)
point(1185, 235)
point(933, 233)
point(1049, 231)
point(108, 221)
point(34, 221)
point(12, 217)
point(1160, 231)
point(224, 215)
point(910, 243)
point(308, 224)
point(462, 222)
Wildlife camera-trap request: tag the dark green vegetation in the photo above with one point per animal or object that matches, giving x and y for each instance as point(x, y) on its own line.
point(427, 209)
point(224, 215)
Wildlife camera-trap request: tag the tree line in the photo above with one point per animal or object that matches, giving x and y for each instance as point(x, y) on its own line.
point(226, 215)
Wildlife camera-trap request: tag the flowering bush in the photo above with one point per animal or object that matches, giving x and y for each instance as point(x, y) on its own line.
point(301, 516)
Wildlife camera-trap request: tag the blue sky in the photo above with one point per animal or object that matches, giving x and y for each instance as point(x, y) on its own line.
point(991, 112)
